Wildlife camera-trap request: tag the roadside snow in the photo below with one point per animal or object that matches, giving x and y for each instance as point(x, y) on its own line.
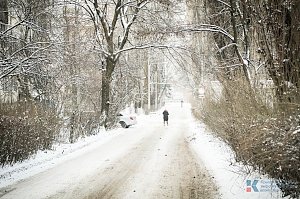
point(44, 160)
point(229, 175)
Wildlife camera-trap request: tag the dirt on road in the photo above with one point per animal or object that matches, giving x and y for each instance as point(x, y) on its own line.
point(147, 161)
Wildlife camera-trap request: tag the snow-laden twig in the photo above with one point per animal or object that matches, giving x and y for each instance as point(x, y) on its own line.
point(14, 67)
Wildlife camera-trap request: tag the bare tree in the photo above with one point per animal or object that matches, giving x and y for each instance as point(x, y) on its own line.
point(114, 22)
point(25, 42)
point(275, 23)
point(3, 15)
point(114, 37)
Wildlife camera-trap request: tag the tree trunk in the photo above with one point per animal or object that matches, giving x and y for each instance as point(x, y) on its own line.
point(106, 81)
point(233, 13)
point(23, 91)
point(3, 15)
point(3, 20)
point(283, 65)
point(71, 66)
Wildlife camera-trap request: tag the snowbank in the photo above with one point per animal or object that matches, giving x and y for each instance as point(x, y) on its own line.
point(44, 160)
point(229, 175)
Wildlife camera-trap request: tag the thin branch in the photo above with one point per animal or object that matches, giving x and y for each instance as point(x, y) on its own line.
point(226, 4)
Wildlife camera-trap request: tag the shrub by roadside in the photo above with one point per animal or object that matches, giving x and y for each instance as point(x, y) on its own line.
point(25, 128)
point(267, 140)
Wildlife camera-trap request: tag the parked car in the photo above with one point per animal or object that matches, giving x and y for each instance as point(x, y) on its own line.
point(126, 120)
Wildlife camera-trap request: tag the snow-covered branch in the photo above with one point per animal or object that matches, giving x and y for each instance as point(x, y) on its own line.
point(13, 67)
point(128, 25)
point(224, 3)
point(146, 46)
point(202, 28)
point(227, 46)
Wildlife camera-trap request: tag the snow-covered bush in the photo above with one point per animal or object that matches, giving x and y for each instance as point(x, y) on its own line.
point(25, 128)
point(268, 140)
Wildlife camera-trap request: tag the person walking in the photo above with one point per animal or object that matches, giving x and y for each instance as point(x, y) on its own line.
point(166, 117)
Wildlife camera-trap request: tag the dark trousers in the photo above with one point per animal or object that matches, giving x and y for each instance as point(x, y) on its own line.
point(166, 120)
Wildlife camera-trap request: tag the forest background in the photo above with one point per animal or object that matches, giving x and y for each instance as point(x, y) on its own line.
point(67, 67)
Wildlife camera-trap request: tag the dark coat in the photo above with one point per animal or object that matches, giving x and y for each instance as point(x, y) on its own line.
point(166, 115)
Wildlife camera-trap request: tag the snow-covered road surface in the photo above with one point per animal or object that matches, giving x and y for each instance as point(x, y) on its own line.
point(149, 160)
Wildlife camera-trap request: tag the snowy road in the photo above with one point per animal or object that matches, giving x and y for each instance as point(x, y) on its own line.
point(146, 161)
